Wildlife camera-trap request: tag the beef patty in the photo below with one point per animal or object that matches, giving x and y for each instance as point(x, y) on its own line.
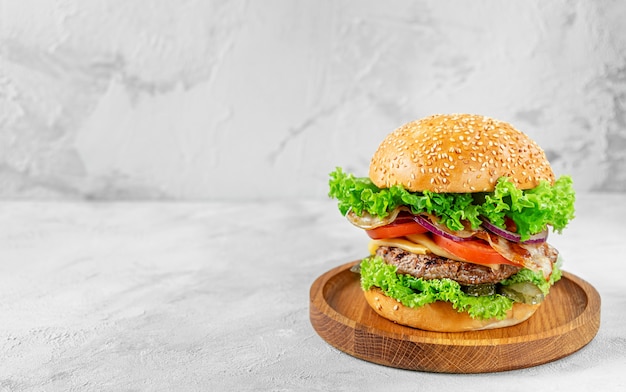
point(431, 266)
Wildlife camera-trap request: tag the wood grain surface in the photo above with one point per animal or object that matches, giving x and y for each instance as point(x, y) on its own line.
point(568, 319)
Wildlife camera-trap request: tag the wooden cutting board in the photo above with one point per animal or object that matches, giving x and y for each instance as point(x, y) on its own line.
point(568, 319)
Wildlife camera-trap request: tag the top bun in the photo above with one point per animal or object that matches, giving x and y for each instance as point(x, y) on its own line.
point(458, 153)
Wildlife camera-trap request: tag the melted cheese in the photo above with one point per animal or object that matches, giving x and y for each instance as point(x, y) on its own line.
point(419, 244)
point(401, 243)
point(426, 241)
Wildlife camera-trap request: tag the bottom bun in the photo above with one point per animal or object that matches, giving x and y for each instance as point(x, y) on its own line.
point(441, 316)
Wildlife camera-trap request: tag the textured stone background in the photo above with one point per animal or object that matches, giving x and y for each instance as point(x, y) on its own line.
point(169, 99)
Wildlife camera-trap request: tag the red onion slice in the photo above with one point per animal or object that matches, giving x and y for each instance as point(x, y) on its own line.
point(438, 229)
point(514, 237)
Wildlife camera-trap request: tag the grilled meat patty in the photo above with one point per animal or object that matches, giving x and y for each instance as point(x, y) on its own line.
point(431, 266)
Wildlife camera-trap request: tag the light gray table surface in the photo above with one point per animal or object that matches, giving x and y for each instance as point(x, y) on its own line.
point(166, 296)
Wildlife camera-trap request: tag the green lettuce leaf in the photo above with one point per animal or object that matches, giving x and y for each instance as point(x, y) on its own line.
point(531, 210)
point(415, 292)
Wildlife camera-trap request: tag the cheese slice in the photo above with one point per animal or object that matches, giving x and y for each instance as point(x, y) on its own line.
point(419, 244)
point(426, 241)
point(401, 243)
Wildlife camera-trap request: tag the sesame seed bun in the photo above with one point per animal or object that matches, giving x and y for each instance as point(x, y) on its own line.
point(441, 316)
point(458, 153)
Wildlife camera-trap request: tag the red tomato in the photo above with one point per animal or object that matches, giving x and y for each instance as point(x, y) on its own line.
point(476, 251)
point(399, 228)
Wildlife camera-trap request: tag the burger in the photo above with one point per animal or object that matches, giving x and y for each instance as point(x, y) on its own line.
point(458, 209)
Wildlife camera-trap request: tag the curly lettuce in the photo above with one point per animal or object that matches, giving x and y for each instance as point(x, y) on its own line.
point(531, 210)
point(415, 292)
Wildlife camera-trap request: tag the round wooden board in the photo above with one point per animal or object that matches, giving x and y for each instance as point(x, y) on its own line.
point(568, 319)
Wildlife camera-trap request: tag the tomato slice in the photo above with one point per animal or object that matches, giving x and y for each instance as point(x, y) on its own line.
point(475, 251)
point(402, 226)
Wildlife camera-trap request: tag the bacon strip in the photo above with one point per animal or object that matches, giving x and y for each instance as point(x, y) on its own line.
point(536, 257)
